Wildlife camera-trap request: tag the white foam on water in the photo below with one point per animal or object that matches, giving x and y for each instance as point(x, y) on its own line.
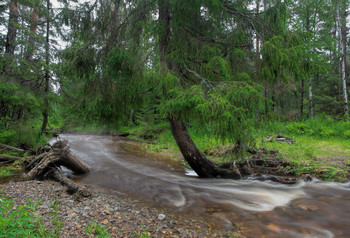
point(263, 200)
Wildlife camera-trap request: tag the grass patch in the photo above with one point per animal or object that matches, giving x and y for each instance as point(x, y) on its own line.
point(326, 158)
point(322, 145)
point(97, 230)
point(10, 170)
point(21, 220)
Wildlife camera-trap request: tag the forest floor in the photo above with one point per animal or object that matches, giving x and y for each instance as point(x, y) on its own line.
point(324, 158)
point(120, 216)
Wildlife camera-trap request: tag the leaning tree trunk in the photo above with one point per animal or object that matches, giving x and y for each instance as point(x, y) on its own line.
point(195, 158)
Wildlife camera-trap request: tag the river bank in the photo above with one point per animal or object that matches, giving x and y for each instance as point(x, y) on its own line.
point(121, 216)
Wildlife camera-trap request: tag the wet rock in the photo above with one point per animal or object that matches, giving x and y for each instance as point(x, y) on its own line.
point(105, 222)
point(308, 207)
point(273, 227)
point(161, 217)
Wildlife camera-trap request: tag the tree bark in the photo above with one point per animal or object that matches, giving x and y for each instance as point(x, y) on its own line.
point(33, 31)
point(47, 71)
point(8, 147)
point(311, 113)
point(194, 157)
point(8, 159)
point(47, 164)
point(60, 155)
point(12, 28)
point(341, 28)
point(302, 99)
point(343, 42)
point(73, 188)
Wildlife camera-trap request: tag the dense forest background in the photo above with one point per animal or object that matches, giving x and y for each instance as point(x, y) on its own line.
point(225, 69)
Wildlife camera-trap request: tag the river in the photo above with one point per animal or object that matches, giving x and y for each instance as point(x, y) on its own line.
point(266, 209)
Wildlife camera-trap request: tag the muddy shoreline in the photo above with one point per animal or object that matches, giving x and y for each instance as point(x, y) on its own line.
point(122, 216)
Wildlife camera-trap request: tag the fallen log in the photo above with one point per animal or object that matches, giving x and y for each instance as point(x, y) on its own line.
point(8, 147)
point(47, 165)
point(8, 159)
point(280, 139)
point(73, 188)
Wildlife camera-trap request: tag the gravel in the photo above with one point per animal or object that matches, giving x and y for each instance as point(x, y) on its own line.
point(120, 215)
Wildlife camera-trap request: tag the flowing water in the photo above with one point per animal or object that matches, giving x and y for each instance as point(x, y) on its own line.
point(267, 209)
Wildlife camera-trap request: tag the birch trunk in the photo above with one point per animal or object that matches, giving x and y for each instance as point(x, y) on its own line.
point(311, 113)
point(341, 29)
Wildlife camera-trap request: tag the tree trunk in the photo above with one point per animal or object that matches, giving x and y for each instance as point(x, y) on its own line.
point(342, 39)
point(311, 113)
point(10, 46)
point(12, 28)
point(341, 30)
point(302, 99)
point(194, 157)
point(8, 147)
point(33, 31)
point(73, 188)
point(47, 71)
point(8, 159)
point(46, 165)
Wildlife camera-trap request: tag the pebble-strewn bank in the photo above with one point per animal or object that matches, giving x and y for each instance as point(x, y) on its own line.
point(122, 216)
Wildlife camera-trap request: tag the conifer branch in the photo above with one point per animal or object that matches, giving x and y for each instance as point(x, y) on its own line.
point(204, 80)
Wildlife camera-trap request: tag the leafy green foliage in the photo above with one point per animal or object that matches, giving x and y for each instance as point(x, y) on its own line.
point(20, 220)
point(22, 134)
point(323, 127)
point(97, 230)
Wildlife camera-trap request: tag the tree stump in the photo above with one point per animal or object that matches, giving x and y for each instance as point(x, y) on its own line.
point(47, 165)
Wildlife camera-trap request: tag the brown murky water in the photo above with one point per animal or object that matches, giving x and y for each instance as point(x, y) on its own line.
point(315, 209)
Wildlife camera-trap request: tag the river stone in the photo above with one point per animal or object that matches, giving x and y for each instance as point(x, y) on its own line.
point(161, 217)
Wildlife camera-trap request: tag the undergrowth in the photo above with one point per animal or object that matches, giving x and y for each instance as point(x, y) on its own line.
point(97, 230)
point(22, 134)
point(322, 144)
point(22, 220)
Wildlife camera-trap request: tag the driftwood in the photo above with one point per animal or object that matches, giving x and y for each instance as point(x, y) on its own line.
point(8, 147)
point(73, 188)
point(8, 159)
point(280, 139)
point(47, 165)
